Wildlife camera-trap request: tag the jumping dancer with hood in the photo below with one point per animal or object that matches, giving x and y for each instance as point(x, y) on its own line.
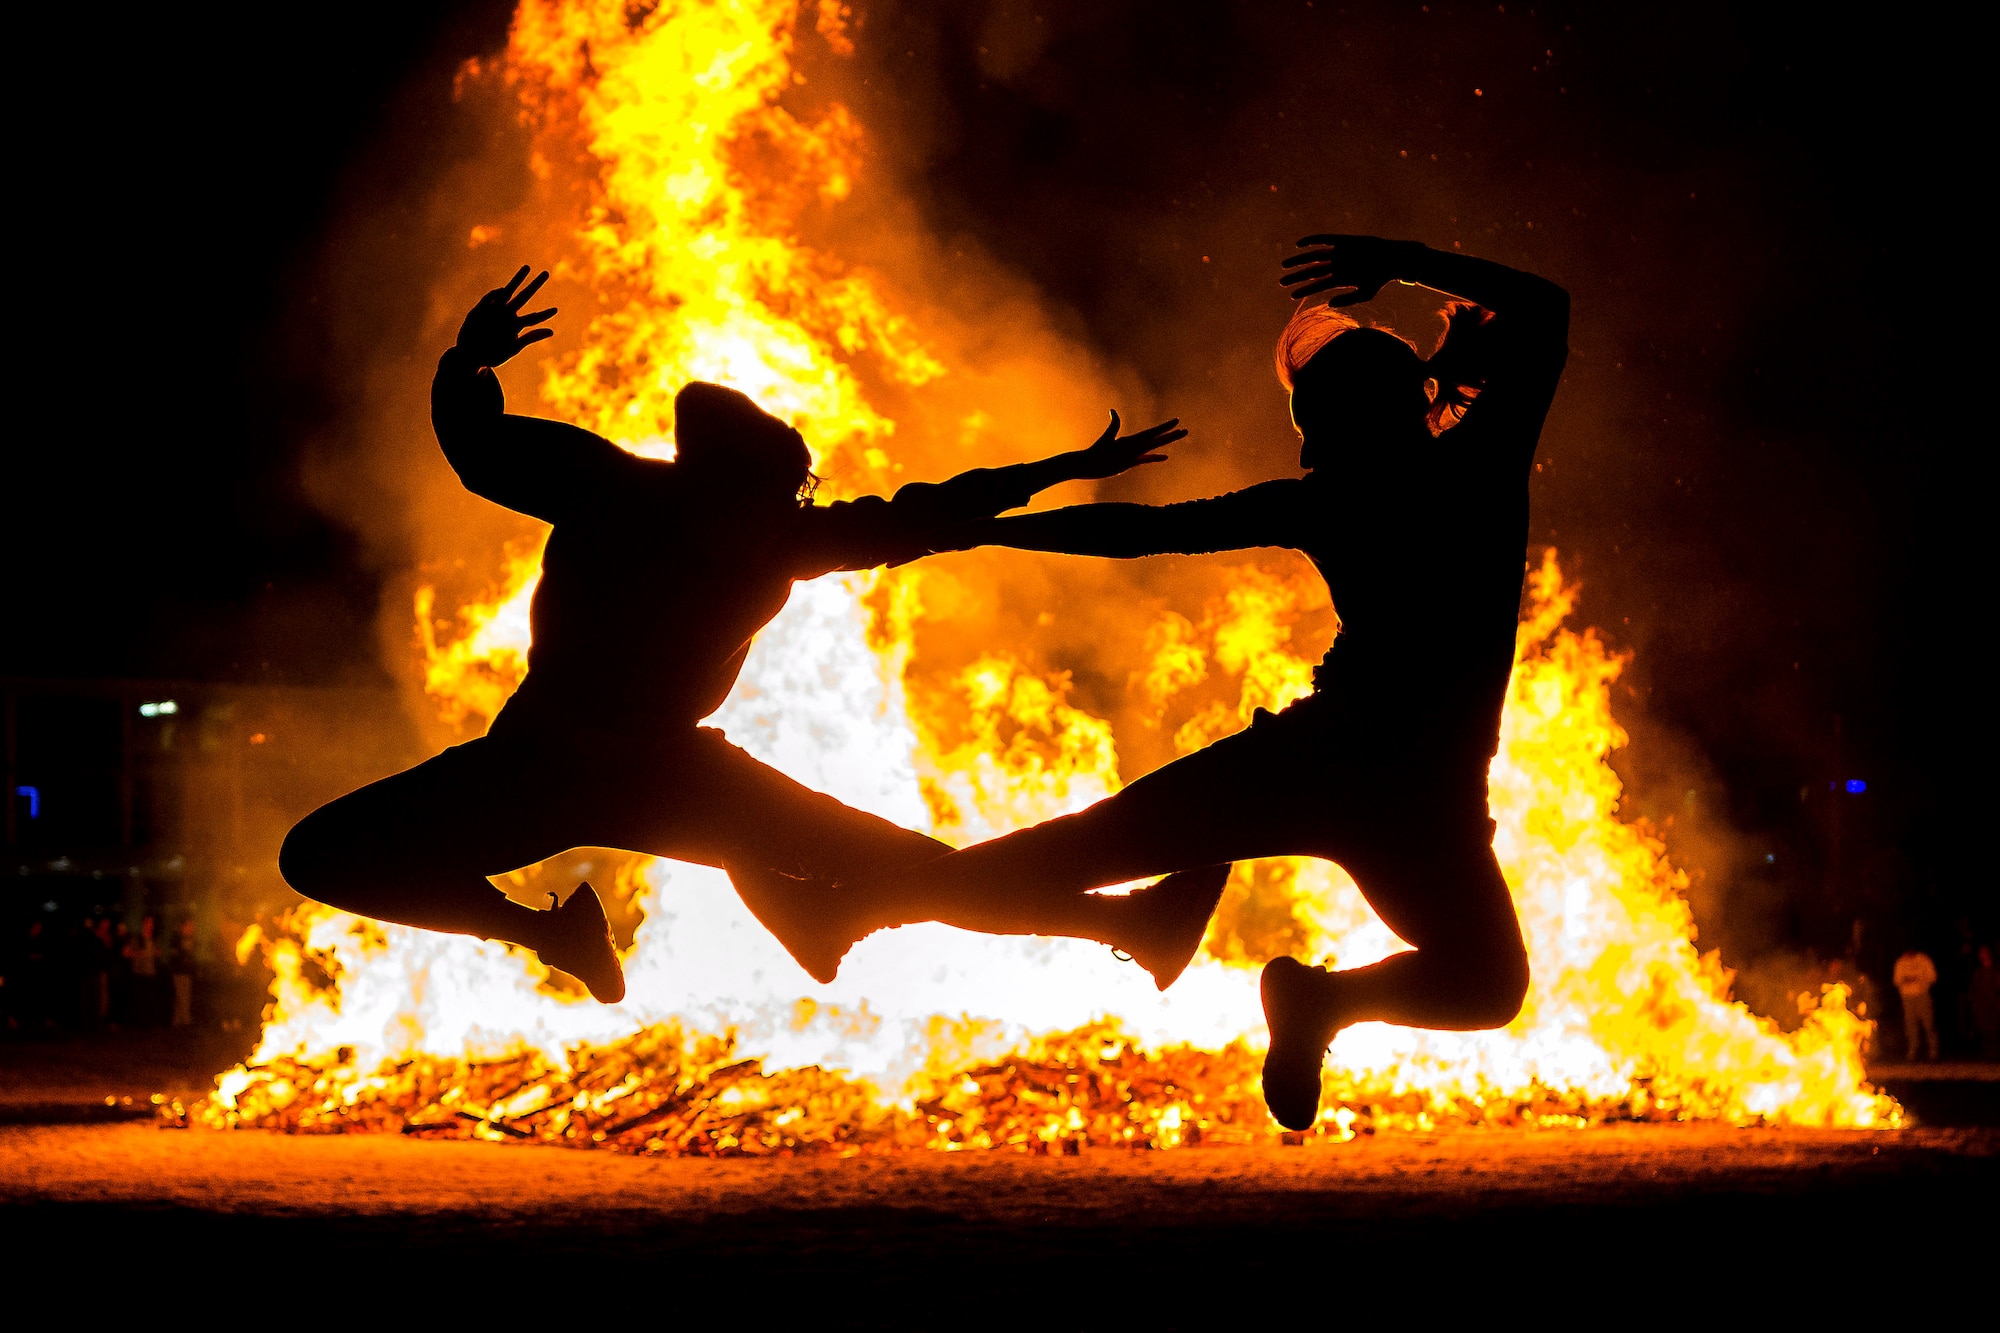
point(655, 578)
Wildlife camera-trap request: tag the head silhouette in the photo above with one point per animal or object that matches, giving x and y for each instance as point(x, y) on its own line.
point(726, 442)
point(1359, 395)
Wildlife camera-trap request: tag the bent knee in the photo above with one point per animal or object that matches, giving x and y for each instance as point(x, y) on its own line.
point(1476, 980)
point(319, 859)
point(303, 858)
point(1493, 989)
point(1504, 996)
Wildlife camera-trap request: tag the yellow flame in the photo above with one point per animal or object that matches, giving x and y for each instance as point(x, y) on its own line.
point(700, 176)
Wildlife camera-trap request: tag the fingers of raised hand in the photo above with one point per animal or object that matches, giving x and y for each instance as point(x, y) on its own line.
point(1318, 255)
point(533, 336)
point(505, 292)
point(535, 316)
point(1355, 297)
point(515, 300)
point(1317, 273)
point(1322, 285)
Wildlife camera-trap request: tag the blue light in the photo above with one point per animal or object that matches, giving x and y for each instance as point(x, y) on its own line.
point(1855, 786)
point(1770, 858)
point(34, 795)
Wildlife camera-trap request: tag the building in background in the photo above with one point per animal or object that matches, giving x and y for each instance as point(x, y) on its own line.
point(130, 799)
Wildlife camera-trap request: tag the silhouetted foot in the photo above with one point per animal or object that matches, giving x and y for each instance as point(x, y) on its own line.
point(815, 918)
point(580, 944)
point(1172, 917)
point(1303, 1010)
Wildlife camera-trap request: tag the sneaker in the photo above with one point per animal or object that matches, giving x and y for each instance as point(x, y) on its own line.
point(583, 946)
point(811, 915)
point(1175, 920)
point(1303, 1022)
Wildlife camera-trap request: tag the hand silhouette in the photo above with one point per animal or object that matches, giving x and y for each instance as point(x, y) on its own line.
point(1364, 263)
point(495, 329)
point(1111, 454)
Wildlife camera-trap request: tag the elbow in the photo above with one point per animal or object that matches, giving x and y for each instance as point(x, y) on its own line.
point(1552, 305)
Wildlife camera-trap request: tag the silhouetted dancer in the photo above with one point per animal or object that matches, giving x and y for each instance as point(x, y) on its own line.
point(653, 582)
point(1415, 511)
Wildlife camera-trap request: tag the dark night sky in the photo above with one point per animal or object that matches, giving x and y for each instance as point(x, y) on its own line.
point(1749, 204)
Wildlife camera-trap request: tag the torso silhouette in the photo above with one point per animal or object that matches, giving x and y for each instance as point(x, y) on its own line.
point(652, 584)
point(1425, 576)
point(646, 608)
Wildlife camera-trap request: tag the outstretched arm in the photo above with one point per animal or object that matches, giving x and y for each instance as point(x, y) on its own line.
point(529, 464)
point(1262, 515)
point(928, 517)
point(986, 491)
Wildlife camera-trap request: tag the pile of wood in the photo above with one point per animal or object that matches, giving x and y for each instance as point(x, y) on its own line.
point(663, 1091)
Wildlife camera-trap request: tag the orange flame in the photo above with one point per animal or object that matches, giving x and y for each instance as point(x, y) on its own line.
point(699, 176)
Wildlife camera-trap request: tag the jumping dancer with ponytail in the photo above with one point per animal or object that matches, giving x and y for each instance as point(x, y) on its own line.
point(655, 579)
point(1414, 509)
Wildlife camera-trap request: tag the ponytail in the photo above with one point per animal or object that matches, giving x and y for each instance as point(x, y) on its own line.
point(1309, 330)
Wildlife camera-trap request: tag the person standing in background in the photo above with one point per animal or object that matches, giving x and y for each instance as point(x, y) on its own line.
point(1914, 976)
point(97, 953)
point(142, 961)
point(181, 967)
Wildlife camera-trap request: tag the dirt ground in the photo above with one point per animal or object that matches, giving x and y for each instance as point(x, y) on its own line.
point(932, 1240)
point(929, 1239)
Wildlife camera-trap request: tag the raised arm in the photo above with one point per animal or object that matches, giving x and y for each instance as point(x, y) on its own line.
point(1515, 361)
point(1261, 515)
point(529, 464)
point(1366, 264)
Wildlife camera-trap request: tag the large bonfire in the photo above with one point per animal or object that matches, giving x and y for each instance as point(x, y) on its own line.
point(698, 175)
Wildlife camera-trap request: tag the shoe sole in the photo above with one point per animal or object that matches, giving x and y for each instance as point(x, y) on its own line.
point(606, 989)
point(1284, 1065)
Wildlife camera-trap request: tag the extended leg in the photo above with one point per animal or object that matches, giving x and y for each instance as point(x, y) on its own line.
point(821, 875)
point(1191, 818)
point(415, 849)
point(1226, 803)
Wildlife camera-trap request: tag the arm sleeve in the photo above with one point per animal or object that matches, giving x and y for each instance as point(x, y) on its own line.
point(1263, 515)
point(546, 469)
point(1522, 367)
point(920, 521)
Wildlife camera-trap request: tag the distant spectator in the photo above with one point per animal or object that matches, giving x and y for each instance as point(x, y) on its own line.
point(96, 953)
point(118, 974)
point(142, 959)
point(181, 966)
point(1914, 976)
point(1983, 1000)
